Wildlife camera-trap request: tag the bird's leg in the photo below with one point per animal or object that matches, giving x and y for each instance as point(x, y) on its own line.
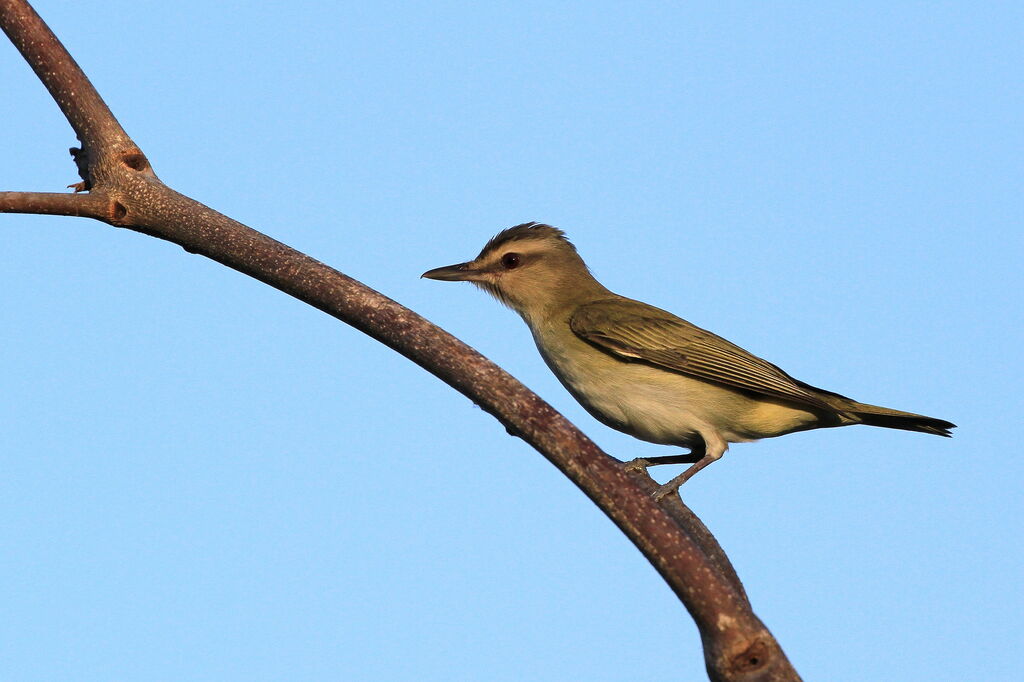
point(699, 457)
point(673, 485)
point(642, 463)
point(681, 458)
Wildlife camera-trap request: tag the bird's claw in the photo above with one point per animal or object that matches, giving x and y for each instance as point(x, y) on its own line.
point(638, 464)
point(665, 490)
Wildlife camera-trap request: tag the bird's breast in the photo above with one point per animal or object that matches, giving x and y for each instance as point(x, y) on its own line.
point(643, 401)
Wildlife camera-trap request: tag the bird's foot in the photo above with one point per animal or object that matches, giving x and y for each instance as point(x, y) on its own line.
point(697, 461)
point(670, 488)
point(638, 464)
point(674, 485)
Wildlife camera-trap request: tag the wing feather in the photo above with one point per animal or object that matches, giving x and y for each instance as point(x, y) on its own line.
point(633, 330)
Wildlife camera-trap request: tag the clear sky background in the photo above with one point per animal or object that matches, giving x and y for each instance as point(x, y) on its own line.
point(203, 479)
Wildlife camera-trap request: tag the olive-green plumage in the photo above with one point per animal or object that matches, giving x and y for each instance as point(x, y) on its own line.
point(643, 370)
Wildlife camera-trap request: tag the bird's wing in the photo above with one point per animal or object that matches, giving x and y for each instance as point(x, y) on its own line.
point(636, 331)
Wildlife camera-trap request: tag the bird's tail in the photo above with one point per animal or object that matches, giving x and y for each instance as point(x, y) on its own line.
point(873, 415)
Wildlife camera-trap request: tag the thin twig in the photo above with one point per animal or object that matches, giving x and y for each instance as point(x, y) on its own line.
point(49, 203)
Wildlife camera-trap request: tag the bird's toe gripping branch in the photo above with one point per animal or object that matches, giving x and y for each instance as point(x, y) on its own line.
point(698, 459)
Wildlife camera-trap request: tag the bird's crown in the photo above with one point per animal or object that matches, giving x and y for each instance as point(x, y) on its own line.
point(532, 230)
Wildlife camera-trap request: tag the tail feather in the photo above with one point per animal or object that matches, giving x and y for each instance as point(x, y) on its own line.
point(873, 415)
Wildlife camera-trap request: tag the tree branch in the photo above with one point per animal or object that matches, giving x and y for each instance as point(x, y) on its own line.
point(85, 110)
point(125, 192)
point(49, 203)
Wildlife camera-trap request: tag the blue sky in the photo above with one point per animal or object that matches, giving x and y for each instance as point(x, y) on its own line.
point(203, 479)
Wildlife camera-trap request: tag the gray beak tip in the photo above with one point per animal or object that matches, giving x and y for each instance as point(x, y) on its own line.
point(449, 273)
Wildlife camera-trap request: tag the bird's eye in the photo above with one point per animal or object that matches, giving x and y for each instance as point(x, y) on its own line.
point(511, 261)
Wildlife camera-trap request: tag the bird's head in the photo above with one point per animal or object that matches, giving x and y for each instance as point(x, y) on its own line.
point(531, 268)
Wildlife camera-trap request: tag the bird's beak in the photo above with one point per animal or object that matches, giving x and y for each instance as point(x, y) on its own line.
point(462, 272)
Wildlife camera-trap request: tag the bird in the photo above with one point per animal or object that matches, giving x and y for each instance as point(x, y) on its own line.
point(646, 372)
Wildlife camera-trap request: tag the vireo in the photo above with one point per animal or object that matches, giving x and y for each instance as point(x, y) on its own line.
point(644, 371)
